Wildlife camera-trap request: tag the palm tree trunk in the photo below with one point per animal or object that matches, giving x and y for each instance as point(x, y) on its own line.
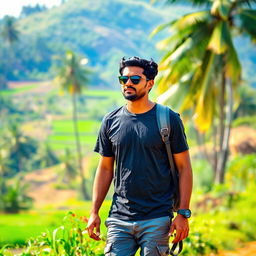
point(79, 151)
point(222, 110)
point(215, 150)
point(220, 174)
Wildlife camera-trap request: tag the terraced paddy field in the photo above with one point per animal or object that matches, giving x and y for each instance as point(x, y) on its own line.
point(62, 134)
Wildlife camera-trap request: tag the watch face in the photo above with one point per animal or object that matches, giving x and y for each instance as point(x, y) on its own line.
point(185, 212)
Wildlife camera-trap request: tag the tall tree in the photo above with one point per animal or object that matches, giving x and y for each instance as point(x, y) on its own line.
point(21, 148)
point(73, 77)
point(10, 34)
point(201, 68)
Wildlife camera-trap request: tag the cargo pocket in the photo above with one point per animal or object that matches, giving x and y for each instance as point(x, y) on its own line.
point(163, 250)
point(107, 250)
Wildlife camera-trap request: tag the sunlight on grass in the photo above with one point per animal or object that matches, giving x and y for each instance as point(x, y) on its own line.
point(17, 228)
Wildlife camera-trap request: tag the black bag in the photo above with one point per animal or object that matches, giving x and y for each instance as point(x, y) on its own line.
point(163, 121)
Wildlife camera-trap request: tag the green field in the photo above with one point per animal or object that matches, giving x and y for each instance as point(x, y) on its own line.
point(25, 88)
point(63, 134)
point(85, 126)
point(17, 228)
point(113, 94)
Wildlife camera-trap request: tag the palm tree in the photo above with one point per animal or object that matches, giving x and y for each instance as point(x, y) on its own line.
point(72, 78)
point(21, 148)
point(69, 170)
point(14, 196)
point(10, 34)
point(201, 68)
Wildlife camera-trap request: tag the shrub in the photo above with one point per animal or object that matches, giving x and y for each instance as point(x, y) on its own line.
point(68, 239)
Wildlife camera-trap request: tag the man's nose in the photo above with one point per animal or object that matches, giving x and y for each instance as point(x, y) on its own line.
point(129, 82)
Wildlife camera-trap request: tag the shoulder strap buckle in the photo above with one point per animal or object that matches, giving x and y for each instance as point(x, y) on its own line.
point(165, 134)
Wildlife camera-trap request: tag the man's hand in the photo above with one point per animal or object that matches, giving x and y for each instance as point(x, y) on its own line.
point(180, 224)
point(94, 225)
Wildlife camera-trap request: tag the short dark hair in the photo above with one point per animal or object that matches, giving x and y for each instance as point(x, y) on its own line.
point(149, 66)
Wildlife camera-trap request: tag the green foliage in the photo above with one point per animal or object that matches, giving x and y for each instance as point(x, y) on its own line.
point(9, 30)
point(222, 226)
point(72, 75)
point(241, 171)
point(246, 102)
point(45, 157)
point(16, 229)
point(68, 170)
point(68, 239)
point(102, 38)
point(203, 176)
point(13, 197)
point(201, 68)
point(63, 134)
point(245, 120)
point(29, 10)
point(16, 148)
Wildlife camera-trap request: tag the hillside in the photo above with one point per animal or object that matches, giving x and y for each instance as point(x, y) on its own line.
point(103, 32)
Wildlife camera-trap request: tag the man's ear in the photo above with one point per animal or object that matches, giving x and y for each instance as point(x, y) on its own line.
point(150, 84)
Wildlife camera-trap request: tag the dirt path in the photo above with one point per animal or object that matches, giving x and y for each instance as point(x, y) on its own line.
point(42, 188)
point(248, 250)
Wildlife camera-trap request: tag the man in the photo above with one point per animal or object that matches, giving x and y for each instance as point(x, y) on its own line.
point(141, 211)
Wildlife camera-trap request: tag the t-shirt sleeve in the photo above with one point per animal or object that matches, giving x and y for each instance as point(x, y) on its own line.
point(103, 145)
point(178, 138)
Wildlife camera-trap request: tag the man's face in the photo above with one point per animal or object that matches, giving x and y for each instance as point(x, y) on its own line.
point(132, 91)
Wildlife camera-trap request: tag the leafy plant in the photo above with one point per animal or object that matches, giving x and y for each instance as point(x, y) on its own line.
point(68, 239)
point(13, 197)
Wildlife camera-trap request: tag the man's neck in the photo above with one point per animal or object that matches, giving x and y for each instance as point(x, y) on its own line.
point(140, 106)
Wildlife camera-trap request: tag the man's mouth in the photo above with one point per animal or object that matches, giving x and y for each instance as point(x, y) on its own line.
point(130, 90)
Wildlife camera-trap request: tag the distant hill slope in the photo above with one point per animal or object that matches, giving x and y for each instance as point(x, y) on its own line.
point(101, 30)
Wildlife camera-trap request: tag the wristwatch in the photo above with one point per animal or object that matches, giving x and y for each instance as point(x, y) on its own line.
point(184, 212)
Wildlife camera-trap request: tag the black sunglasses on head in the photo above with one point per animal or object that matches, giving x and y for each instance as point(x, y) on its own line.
point(135, 79)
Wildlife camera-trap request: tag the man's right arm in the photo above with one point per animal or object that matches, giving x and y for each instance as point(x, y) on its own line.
point(102, 181)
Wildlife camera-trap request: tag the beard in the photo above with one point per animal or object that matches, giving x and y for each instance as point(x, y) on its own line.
point(135, 96)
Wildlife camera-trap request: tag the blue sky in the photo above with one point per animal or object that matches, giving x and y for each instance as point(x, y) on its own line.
point(13, 7)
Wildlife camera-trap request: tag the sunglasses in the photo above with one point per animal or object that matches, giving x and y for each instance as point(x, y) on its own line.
point(135, 79)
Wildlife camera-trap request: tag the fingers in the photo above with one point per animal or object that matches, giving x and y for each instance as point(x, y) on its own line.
point(171, 230)
point(181, 226)
point(92, 234)
point(98, 230)
point(94, 225)
point(177, 236)
point(181, 234)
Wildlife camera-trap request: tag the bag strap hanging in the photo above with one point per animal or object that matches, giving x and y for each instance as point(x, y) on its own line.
point(163, 122)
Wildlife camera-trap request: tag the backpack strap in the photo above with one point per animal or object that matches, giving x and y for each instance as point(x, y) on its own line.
point(164, 126)
point(163, 122)
point(180, 247)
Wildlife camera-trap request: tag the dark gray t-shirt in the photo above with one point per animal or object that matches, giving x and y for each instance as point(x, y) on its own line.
point(142, 179)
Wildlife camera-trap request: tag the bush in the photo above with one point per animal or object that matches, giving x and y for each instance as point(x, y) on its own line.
point(68, 239)
point(13, 197)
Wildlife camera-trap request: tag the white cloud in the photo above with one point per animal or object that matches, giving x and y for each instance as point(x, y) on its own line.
point(13, 7)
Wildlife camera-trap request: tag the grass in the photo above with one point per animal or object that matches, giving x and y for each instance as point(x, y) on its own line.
point(63, 134)
point(66, 126)
point(25, 88)
point(17, 228)
point(113, 94)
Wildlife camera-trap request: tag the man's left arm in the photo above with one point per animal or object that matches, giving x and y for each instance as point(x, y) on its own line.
point(180, 223)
